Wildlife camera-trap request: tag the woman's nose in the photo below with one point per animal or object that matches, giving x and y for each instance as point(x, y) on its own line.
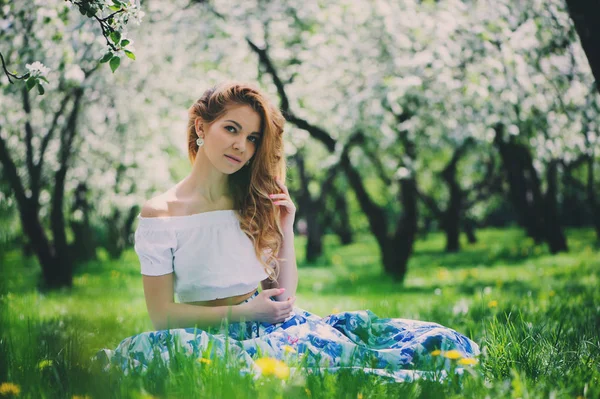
point(240, 145)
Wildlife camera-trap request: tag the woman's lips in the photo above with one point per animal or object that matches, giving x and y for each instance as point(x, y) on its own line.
point(232, 160)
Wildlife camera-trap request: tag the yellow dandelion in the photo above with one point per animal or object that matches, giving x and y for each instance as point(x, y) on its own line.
point(308, 393)
point(44, 364)
point(269, 366)
point(146, 395)
point(468, 361)
point(443, 273)
point(551, 293)
point(359, 396)
point(492, 304)
point(289, 349)
point(204, 360)
point(81, 397)
point(453, 354)
point(335, 310)
point(436, 352)
point(8, 388)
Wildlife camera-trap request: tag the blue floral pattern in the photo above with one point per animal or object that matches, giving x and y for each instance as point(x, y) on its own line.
point(393, 347)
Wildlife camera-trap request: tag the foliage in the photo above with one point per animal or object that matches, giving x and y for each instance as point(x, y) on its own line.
point(113, 29)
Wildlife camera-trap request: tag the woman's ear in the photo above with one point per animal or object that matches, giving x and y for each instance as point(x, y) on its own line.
point(199, 126)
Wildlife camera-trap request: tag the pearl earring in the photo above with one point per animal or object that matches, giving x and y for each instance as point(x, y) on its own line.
point(200, 141)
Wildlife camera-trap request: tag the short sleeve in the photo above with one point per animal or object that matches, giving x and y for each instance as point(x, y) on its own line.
point(155, 248)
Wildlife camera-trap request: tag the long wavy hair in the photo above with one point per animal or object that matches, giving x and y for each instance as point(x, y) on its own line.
point(251, 185)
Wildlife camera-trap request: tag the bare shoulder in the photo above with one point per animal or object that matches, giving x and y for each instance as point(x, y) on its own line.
point(156, 207)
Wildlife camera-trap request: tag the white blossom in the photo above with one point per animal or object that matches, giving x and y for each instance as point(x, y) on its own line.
point(37, 69)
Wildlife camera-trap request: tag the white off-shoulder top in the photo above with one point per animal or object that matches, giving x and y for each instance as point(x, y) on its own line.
point(209, 254)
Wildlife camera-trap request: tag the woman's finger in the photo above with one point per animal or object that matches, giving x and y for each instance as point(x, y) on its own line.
point(280, 184)
point(273, 291)
point(283, 196)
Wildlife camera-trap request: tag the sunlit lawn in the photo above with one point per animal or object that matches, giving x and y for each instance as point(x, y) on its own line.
point(535, 316)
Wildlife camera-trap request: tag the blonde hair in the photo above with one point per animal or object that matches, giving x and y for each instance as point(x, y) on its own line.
point(251, 185)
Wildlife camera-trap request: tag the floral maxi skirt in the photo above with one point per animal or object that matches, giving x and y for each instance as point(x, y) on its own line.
point(400, 349)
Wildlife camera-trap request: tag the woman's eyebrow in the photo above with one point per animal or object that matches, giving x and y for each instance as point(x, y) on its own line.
point(240, 126)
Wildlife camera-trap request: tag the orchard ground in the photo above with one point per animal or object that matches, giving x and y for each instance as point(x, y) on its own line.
point(536, 317)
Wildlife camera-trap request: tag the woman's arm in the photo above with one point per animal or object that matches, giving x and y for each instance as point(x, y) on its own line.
point(288, 270)
point(165, 313)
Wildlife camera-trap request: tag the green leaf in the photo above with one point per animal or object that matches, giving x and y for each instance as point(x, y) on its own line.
point(44, 79)
point(27, 75)
point(114, 63)
point(29, 83)
point(124, 42)
point(115, 37)
point(129, 54)
point(40, 89)
point(114, 8)
point(106, 57)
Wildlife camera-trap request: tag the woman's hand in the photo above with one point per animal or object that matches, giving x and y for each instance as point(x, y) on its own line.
point(263, 309)
point(288, 209)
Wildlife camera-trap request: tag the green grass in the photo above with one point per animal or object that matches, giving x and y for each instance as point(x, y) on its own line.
point(535, 316)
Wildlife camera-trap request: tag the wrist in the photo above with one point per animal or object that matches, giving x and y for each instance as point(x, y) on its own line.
point(238, 312)
point(288, 229)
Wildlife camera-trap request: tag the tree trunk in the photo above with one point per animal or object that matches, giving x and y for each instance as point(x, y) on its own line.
point(522, 181)
point(28, 214)
point(314, 242)
point(469, 229)
point(342, 228)
point(62, 269)
point(591, 197)
point(586, 16)
point(451, 216)
point(83, 247)
point(42, 247)
point(311, 209)
point(120, 228)
point(406, 230)
point(554, 234)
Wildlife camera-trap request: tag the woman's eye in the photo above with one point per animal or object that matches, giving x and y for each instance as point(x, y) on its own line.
point(255, 139)
point(232, 131)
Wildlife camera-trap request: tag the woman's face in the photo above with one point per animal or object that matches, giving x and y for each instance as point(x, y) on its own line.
point(234, 135)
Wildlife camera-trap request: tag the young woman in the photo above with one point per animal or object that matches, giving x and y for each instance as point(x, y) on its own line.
point(225, 229)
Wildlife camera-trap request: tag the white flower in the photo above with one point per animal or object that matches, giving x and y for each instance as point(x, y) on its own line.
point(74, 74)
point(136, 14)
point(37, 69)
point(403, 173)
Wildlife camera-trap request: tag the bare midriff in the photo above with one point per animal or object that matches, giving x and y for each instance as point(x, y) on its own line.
point(232, 300)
